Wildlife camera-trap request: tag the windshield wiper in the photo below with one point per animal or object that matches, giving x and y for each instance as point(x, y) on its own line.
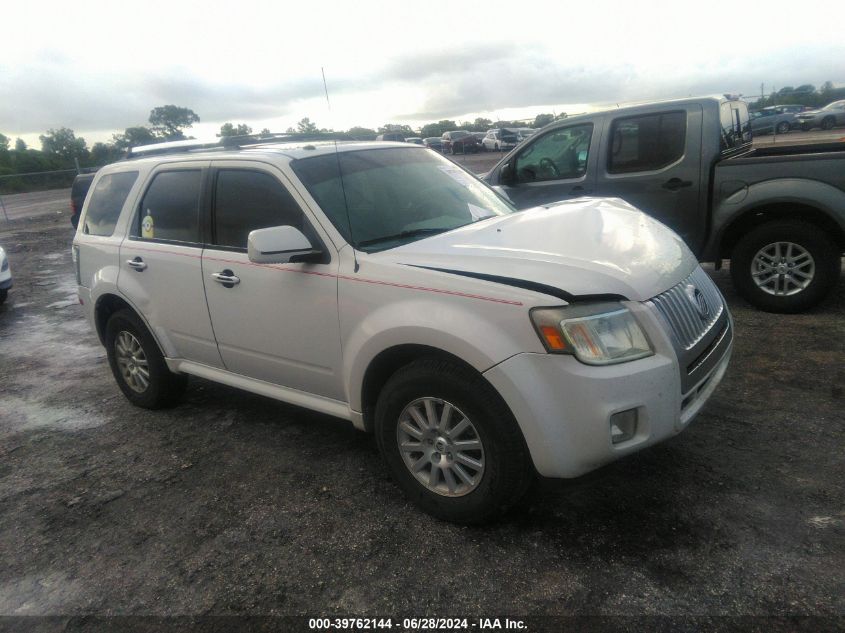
point(404, 234)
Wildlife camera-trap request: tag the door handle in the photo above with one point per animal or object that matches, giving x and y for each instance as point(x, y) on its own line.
point(137, 263)
point(673, 184)
point(227, 278)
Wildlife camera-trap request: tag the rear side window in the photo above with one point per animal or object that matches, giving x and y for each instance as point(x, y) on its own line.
point(106, 203)
point(646, 143)
point(248, 200)
point(170, 207)
point(735, 124)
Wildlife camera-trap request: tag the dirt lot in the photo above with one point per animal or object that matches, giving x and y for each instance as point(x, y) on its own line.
point(235, 504)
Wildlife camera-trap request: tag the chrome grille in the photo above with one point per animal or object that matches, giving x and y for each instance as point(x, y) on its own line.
point(682, 305)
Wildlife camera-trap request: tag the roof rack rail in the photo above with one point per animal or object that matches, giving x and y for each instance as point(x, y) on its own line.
point(234, 142)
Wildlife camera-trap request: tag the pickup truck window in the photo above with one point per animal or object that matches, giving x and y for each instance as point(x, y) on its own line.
point(246, 200)
point(736, 125)
point(170, 207)
point(557, 155)
point(106, 203)
point(647, 142)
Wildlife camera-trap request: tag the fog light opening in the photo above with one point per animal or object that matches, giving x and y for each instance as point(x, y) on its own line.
point(623, 426)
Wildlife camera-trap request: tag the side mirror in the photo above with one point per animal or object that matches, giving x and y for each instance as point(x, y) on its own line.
point(506, 175)
point(280, 245)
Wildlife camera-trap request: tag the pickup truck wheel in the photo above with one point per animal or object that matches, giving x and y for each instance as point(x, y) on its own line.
point(451, 442)
point(138, 365)
point(785, 266)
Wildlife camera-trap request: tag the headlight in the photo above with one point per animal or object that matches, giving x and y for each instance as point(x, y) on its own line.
point(597, 334)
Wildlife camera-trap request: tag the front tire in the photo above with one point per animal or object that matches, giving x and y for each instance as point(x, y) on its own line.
point(783, 127)
point(785, 266)
point(451, 442)
point(138, 365)
point(828, 123)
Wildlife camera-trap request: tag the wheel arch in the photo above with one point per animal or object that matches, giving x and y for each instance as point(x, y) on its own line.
point(387, 362)
point(763, 213)
point(106, 305)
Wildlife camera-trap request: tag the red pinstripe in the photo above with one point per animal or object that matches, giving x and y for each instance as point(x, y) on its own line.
point(320, 274)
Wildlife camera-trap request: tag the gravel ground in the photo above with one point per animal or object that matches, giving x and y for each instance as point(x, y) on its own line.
point(236, 504)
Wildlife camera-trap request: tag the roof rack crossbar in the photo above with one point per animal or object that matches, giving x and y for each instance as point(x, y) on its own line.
point(235, 142)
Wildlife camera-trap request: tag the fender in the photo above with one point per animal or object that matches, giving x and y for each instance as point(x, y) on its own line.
point(480, 339)
point(800, 191)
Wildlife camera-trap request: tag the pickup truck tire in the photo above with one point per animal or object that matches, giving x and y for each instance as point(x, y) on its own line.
point(759, 245)
point(138, 365)
point(500, 470)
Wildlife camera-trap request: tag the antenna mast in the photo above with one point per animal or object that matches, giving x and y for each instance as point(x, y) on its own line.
point(340, 175)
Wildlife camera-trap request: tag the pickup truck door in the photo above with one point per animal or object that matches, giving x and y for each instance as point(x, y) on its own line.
point(276, 323)
point(653, 161)
point(554, 165)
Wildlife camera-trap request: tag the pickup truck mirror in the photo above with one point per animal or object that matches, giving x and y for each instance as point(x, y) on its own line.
point(281, 245)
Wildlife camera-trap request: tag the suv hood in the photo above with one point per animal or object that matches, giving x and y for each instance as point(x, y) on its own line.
point(583, 247)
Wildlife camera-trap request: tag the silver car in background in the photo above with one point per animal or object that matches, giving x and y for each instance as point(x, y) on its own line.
point(773, 119)
point(826, 118)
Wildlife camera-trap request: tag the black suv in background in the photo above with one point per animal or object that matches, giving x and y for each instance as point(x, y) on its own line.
point(78, 191)
point(459, 142)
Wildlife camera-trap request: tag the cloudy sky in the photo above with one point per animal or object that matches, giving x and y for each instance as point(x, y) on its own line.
point(98, 67)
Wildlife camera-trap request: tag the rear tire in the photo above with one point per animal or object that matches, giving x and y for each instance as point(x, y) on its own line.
point(3, 294)
point(783, 127)
point(138, 365)
point(499, 469)
point(776, 277)
point(828, 123)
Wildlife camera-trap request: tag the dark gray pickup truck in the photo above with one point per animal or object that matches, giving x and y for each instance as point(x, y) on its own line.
point(778, 213)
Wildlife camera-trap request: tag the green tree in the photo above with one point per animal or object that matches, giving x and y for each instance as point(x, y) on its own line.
point(305, 126)
point(103, 153)
point(134, 137)
point(362, 133)
point(63, 144)
point(20, 146)
point(265, 131)
point(437, 129)
point(395, 127)
point(241, 129)
point(543, 119)
point(481, 125)
point(170, 121)
point(4, 142)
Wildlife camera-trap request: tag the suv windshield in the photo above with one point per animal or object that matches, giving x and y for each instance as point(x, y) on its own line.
point(395, 195)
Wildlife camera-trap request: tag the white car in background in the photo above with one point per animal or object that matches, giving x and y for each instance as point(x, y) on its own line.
point(383, 284)
point(5, 275)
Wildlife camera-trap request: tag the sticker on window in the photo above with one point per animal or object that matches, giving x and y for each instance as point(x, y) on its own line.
point(458, 175)
point(147, 229)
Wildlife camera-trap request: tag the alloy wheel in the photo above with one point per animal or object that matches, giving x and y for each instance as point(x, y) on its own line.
point(783, 268)
point(440, 446)
point(132, 361)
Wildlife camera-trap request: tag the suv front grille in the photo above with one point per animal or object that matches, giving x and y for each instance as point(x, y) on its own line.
point(691, 308)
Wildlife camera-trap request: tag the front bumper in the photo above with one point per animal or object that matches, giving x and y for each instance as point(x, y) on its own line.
point(564, 406)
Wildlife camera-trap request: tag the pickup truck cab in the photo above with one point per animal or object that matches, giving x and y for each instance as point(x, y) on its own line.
point(383, 284)
point(777, 213)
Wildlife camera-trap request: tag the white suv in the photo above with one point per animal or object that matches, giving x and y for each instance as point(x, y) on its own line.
point(383, 284)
